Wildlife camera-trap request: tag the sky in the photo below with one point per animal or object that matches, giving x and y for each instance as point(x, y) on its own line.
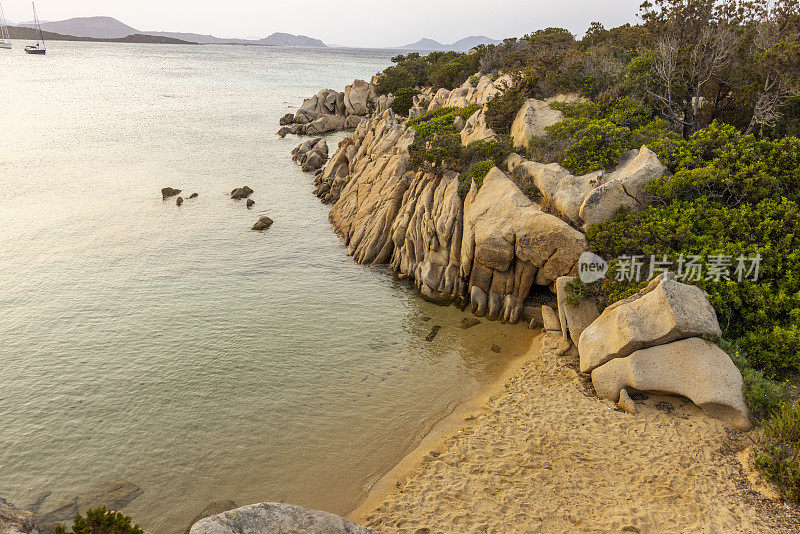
point(343, 22)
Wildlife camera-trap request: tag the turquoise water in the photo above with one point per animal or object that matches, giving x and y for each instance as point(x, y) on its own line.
point(172, 347)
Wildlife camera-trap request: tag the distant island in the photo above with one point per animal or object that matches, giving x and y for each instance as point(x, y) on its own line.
point(109, 29)
point(462, 45)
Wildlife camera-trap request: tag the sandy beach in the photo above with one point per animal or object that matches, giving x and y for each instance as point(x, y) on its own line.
point(538, 452)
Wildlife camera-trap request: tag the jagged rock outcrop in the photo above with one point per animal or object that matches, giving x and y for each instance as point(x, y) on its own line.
point(330, 110)
point(467, 94)
point(279, 518)
point(487, 250)
point(167, 192)
point(624, 186)
point(262, 224)
point(593, 197)
point(241, 192)
point(476, 129)
point(311, 155)
point(693, 368)
point(509, 244)
point(531, 120)
point(574, 319)
point(665, 311)
point(14, 520)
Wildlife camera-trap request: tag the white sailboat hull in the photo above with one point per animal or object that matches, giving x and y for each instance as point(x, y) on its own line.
point(5, 45)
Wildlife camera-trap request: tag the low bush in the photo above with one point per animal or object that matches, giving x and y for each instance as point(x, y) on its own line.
point(593, 136)
point(102, 521)
point(477, 172)
point(778, 450)
point(403, 100)
point(764, 397)
point(502, 109)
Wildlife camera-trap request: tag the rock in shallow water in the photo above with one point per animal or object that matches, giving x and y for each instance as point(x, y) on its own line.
point(169, 192)
point(262, 223)
point(269, 517)
point(241, 192)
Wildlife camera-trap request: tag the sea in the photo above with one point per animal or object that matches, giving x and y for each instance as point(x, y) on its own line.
point(171, 348)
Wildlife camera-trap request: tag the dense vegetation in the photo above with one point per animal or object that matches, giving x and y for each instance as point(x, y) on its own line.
point(101, 521)
point(712, 87)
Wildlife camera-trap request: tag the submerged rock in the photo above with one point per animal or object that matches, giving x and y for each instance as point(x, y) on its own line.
point(278, 518)
point(469, 322)
point(169, 192)
point(179, 201)
point(434, 331)
point(193, 195)
point(113, 493)
point(262, 223)
point(241, 192)
point(14, 520)
point(250, 202)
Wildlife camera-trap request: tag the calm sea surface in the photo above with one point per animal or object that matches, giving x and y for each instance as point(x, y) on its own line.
point(172, 347)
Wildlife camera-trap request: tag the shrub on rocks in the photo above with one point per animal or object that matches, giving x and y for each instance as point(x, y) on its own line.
point(403, 100)
point(778, 450)
point(102, 521)
point(502, 109)
point(476, 173)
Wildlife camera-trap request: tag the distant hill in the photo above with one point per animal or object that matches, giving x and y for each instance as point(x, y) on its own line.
point(462, 45)
point(287, 39)
point(97, 27)
point(111, 28)
point(276, 39)
point(30, 34)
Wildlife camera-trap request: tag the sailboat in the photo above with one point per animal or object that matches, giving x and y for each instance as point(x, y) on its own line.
point(38, 48)
point(5, 38)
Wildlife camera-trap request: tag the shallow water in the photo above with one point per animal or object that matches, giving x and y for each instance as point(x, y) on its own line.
point(172, 347)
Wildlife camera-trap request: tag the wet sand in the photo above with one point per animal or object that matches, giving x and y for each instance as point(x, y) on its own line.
point(538, 452)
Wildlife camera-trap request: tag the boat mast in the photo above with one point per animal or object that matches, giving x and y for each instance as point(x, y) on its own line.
point(39, 26)
point(4, 35)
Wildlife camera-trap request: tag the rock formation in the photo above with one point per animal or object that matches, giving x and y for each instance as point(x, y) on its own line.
point(311, 155)
point(664, 311)
point(593, 197)
point(330, 110)
point(276, 517)
point(487, 250)
point(532, 119)
point(574, 319)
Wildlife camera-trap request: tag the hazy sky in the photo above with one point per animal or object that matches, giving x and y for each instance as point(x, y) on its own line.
point(346, 22)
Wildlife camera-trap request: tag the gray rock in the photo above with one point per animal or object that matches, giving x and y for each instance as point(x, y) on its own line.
point(266, 518)
point(693, 368)
point(250, 202)
point(550, 320)
point(215, 508)
point(574, 319)
point(179, 201)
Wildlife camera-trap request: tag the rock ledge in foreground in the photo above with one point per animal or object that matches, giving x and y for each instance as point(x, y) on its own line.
point(270, 517)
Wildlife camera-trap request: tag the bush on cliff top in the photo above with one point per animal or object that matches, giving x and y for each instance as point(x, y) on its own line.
point(101, 521)
point(477, 172)
point(778, 450)
point(730, 196)
point(593, 136)
point(403, 100)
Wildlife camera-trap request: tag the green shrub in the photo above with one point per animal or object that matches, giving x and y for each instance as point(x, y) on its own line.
point(778, 450)
point(502, 109)
point(477, 172)
point(474, 80)
point(437, 139)
point(730, 195)
point(593, 136)
point(764, 397)
point(403, 100)
point(101, 521)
